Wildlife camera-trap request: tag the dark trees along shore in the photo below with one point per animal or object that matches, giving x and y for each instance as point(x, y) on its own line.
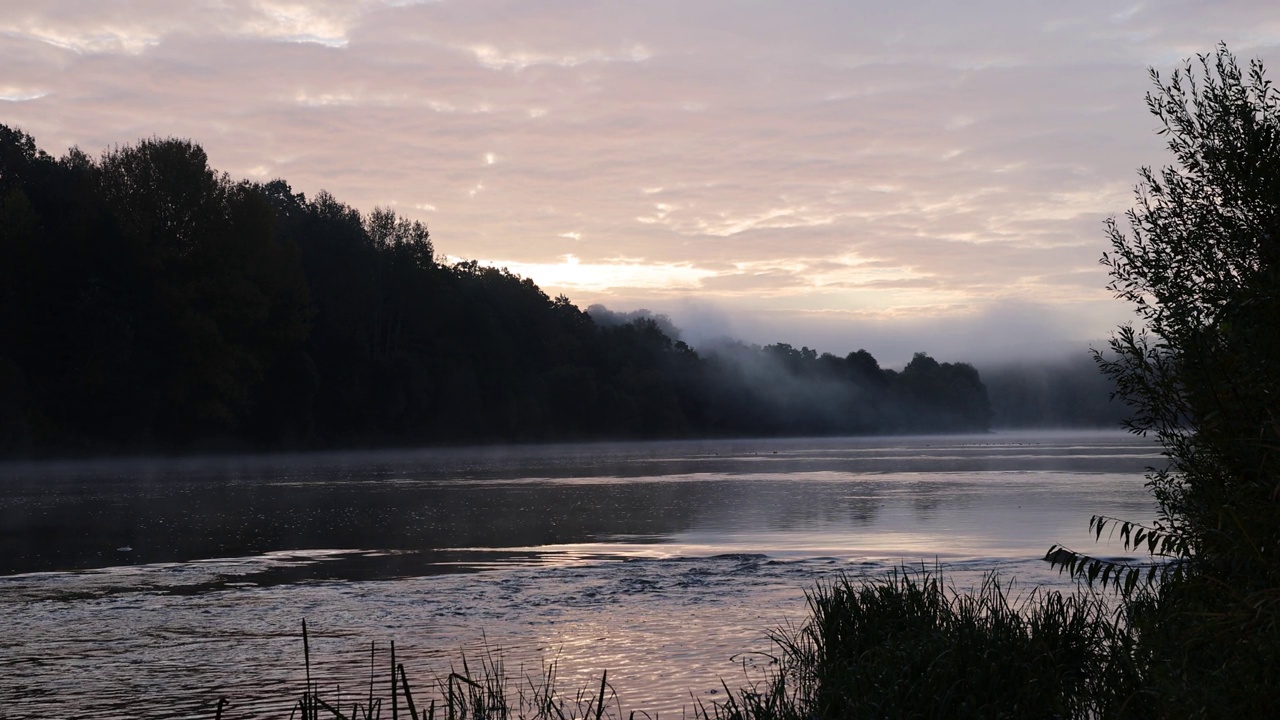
point(148, 302)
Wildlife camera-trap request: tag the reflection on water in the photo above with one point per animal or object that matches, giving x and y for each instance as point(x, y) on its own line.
point(161, 585)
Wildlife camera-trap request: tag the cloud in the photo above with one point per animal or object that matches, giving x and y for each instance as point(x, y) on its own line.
point(496, 59)
point(806, 162)
point(105, 27)
point(14, 93)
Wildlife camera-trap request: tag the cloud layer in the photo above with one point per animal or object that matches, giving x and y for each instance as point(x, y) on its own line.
point(822, 173)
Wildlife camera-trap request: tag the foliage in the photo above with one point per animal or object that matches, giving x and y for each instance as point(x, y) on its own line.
point(148, 302)
point(1169, 552)
point(1069, 392)
point(1200, 263)
point(905, 646)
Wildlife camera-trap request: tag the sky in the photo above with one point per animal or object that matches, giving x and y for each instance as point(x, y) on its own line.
point(894, 176)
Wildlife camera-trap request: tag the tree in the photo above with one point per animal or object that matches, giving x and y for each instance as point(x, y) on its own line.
point(1200, 264)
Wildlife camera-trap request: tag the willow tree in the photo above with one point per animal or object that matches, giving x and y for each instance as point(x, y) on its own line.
point(1199, 261)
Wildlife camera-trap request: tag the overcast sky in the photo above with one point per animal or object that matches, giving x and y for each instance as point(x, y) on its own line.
point(895, 176)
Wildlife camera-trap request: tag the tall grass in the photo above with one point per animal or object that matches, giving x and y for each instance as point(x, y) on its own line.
point(488, 693)
point(906, 646)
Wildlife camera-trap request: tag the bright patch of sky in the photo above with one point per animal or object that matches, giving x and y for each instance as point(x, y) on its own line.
point(11, 93)
point(609, 275)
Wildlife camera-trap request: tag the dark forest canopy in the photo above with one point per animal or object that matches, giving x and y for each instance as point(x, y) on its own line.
point(1066, 392)
point(148, 302)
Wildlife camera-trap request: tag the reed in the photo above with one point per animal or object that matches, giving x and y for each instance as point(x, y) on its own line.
point(488, 693)
point(907, 646)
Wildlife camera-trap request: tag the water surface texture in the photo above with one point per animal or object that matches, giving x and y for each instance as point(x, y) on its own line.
point(152, 588)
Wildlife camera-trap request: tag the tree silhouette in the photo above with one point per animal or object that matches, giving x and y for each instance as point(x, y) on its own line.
point(150, 302)
point(1199, 262)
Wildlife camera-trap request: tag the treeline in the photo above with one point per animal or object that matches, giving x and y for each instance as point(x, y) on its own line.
point(148, 302)
point(1068, 392)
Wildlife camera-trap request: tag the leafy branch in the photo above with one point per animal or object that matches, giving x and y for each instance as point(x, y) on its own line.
point(1170, 547)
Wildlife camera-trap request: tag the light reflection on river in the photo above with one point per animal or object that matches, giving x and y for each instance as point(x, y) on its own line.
point(665, 563)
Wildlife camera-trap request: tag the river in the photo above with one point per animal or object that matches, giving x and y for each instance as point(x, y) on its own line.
point(152, 588)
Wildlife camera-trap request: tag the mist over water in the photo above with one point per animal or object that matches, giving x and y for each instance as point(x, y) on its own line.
point(994, 334)
point(162, 585)
point(1029, 381)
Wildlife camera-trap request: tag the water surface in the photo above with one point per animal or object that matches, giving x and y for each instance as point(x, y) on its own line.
point(153, 588)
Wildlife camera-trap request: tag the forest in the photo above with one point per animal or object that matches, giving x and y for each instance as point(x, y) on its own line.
point(151, 303)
